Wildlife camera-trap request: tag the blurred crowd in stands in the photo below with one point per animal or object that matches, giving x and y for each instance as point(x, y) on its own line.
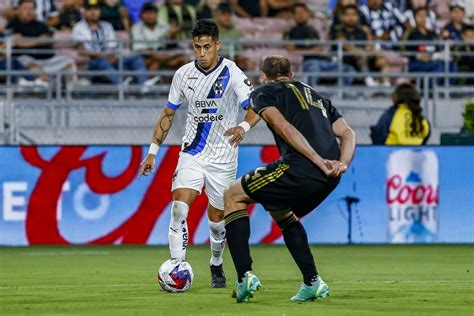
point(152, 26)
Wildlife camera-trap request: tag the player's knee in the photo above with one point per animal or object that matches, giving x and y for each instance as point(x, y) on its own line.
point(179, 209)
point(227, 195)
point(217, 229)
point(230, 197)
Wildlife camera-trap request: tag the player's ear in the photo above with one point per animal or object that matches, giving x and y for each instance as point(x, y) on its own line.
point(263, 77)
point(218, 45)
point(292, 75)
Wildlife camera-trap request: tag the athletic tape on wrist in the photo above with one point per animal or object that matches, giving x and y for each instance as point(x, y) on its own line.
point(246, 126)
point(153, 150)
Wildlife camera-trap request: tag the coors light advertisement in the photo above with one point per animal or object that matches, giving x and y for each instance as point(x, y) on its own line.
point(412, 196)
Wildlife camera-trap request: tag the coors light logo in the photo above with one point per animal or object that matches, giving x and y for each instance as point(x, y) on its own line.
point(412, 196)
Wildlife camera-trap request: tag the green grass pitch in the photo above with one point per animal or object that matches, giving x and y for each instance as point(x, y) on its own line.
point(364, 280)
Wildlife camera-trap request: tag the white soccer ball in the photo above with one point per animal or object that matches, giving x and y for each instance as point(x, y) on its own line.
point(175, 275)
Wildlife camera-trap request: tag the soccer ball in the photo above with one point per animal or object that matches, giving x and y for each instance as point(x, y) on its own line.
point(175, 275)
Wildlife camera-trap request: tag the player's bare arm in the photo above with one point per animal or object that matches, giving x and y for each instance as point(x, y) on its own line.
point(237, 133)
point(162, 127)
point(296, 140)
point(346, 136)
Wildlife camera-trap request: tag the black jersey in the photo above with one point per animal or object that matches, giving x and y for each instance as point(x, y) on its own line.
point(308, 111)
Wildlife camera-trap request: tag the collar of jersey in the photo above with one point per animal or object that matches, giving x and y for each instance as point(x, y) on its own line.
point(219, 62)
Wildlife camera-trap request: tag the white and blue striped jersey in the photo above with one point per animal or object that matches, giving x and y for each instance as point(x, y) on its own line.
point(213, 98)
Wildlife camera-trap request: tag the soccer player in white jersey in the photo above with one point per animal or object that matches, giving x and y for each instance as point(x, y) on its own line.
point(214, 89)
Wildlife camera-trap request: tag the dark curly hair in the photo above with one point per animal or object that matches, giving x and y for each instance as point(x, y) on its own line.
point(206, 27)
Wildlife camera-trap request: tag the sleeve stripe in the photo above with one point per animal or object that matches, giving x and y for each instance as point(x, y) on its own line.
point(172, 106)
point(245, 104)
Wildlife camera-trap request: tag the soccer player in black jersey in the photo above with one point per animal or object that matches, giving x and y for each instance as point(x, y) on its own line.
point(305, 126)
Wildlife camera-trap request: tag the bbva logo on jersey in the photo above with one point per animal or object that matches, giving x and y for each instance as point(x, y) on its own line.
point(219, 86)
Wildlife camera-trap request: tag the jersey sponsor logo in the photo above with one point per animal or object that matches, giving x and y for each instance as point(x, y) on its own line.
point(205, 104)
point(192, 89)
point(208, 118)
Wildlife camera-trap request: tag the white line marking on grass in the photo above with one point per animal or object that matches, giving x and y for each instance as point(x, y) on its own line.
point(23, 287)
point(403, 281)
point(66, 253)
point(75, 286)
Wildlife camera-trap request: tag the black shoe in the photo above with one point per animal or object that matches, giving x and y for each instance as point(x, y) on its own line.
point(218, 277)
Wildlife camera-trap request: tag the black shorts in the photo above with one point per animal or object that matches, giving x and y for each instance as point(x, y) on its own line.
point(288, 186)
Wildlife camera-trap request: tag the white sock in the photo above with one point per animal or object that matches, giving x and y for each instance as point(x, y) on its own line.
point(217, 240)
point(178, 230)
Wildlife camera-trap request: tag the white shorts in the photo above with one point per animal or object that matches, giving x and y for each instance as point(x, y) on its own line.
point(193, 173)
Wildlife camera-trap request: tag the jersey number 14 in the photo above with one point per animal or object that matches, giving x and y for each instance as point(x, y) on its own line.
point(307, 100)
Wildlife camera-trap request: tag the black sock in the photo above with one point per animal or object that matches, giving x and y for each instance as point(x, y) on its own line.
point(237, 226)
point(296, 241)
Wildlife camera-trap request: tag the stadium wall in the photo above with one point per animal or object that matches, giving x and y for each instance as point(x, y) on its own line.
point(91, 195)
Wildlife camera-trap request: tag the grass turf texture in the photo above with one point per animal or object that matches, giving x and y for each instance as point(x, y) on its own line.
point(398, 280)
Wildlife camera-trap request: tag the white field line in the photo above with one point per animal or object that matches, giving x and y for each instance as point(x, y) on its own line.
point(65, 253)
point(125, 285)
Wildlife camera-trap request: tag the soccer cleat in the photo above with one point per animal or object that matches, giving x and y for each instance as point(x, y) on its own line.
point(244, 290)
point(218, 277)
point(318, 290)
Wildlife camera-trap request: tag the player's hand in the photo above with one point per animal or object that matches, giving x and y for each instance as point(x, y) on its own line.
point(237, 134)
point(343, 167)
point(331, 168)
point(147, 166)
point(337, 168)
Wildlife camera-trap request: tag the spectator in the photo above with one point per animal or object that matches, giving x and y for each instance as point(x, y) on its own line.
point(69, 15)
point(207, 9)
point(350, 30)
point(466, 61)
point(314, 59)
point(22, 80)
point(249, 8)
point(45, 11)
point(336, 13)
point(401, 5)
point(456, 26)
point(384, 20)
point(96, 39)
point(278, 8)
point(403, 123)
point(115, 13)
point(178, 15)
point(154, 33)
point(42, 57)
point(228, 31)
point(431, 19)
point(134, 8)
point(423, 58)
